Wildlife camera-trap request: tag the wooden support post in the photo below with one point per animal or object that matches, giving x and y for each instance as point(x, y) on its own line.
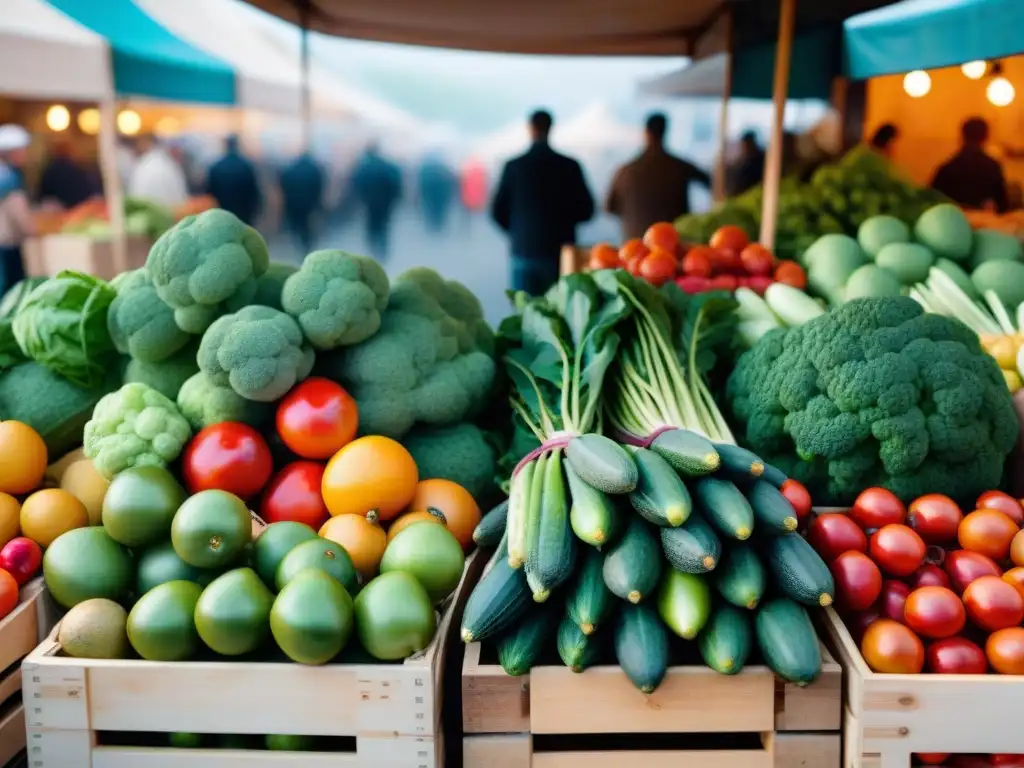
point(722, 166)
point(111, 175)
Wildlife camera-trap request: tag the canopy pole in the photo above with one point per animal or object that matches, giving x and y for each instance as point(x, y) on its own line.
point(773, 157)
point(111, 176)
point(306, 109)
point(722, 166)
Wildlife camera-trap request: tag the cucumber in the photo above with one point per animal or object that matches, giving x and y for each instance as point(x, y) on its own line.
point(684, 603)
point(660, 496)
point(799, 572)
point(632, 565)
point(576, 650)
point(689, 454)
point(593, 516)
point(518, 504)
point(641, 646)
point(725, 507)
point(531, 513)
point(491, 528)
point(772, 510)
point(602, 463)
point(521, 646)
point(725, 642)
point(739, 462)
point(590, 602)
point(740, 576)
point(551, 557)
point(501, 597)
point(788, 641)
point(693, 547)
point(774, 475)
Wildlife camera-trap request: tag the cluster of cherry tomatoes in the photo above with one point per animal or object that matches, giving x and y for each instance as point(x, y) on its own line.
point(727, 262)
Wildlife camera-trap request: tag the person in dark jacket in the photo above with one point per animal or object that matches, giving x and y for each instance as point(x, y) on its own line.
point(748, 170)
point(64, 180)
point(971, 177)
point(883, 141)
point(302, 187)
point(541, 198)
point(438, 188)
point(377, 187)
point(232, 182)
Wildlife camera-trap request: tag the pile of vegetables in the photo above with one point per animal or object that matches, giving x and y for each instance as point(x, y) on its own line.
point(142, 217)
point(634, 522)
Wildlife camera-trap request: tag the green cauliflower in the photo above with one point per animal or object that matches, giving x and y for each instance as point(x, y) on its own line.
point(204, 403)
point(431, 362)
point(337, 298)
point(270, 284)
point(876, 393)
point(206, 266)
point(461, 453)
point(166, 376)
point(257, 351)
point(140, 323)
point(135, 426)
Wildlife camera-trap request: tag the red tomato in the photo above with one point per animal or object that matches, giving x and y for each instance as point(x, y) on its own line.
point(892, 648)
point(799, 498)
point(858, 623)
point(956, 656)
point(858, 580)
point(987, 532)
point(21, 557)
point(633, 250)
point(929, 575)
point(876, 508)
point(317, 418)
point(228, 456)
point(729, 237)
point(661, 237)
point(723, 283)
point(294, 494)
point(964, 567)
point(897, 550)
point(8, 593)
point(759, 284)
point(992, 604)
point(791, 273)
point(757, 260)
point(1005, 651)
point(697, 262)
point(893, 599)
point(1004, 502)
point(658, 266)
point(693, 284)
point(832, 534)
point(1006, 761)
point(934, 612)
point(935, 518)
point(604, 256)
point(931, 758)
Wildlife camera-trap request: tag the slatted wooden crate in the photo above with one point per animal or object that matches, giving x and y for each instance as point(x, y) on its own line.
point(375, 714)
point(573, 258)
point(696, 719)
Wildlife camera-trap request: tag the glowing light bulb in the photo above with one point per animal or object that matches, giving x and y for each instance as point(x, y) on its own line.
point(128, 122)
point(975, 70)
point(1000, 91)
point(167, 126)
point(89, 121)
point(917, 83)
point(58, 118)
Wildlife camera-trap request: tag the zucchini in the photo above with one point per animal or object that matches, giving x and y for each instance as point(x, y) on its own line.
point(576, 650)
point(660, 496)
point(725, 642)
point(518, 505)
point(593, 516)
point(491, 528)
point(501, 597)
point(551, 556)
point(521, 646)
point(533, 506)
point(590, 602)
point(632, 565)
point(740, 576)
point(641, 646)
point(725, 507)
point(740, 462)
point(601, 463)
point(684, 603)
point(772, 510)
point(693, 547)
point(774, 475)
point(689, 454)
point(800, 573)
point(788, 642)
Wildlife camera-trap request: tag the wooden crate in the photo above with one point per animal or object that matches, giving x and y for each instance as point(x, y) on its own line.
point(502, 717)
point(890, 717)
point(392, 712)
point(84, 254)
point(573, 258)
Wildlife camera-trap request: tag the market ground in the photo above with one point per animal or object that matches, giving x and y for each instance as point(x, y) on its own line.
point(471, 250)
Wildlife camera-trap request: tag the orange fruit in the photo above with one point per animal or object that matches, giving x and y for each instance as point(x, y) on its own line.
point(452, 504)
point(47, 514)
point(8, 593)
point(22, 458)
point(371, 474)
point(661, 237)
point(10, 518)
point(403, 522)
point(362, 538)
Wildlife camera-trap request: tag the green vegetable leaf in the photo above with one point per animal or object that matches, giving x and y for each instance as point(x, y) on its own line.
point(10, 352)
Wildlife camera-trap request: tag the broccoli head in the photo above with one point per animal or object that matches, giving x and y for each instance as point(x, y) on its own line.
point(270, 284)
point(460, 453)
point(876, 393)
point(133, 427)
point(204, 403)
point(166, 376)
point(205, 266)
point(337, 298)
point(423, 365)
point(257, 351)
point(139, 322)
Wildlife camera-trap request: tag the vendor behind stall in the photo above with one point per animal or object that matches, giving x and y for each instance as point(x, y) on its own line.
point(16, 223)
point(971, 177)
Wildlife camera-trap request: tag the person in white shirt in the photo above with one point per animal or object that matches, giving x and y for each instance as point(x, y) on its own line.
point(16, 222)
point(157, 177)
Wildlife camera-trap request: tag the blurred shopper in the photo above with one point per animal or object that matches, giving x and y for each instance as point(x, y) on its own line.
point(883, 140)
point(156, 176)
point(748, 170)
point(541, 199)
point(302, 187)
point(63, 180)
point(16, 222)
point(376, 187)
point(971, 177)
point(473, 186)
point(232, 182)
point(654, 187)
point(438, 187)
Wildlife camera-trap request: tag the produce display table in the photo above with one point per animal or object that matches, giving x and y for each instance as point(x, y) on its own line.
point(86, 254)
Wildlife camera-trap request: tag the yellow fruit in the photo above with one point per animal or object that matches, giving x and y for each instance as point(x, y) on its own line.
point(87, 485)
point(22, 458)
point(47, 514)
point(1013, 380)
point(1004, 350)
point(56, 470)
point(10, 514)
point(362, 538)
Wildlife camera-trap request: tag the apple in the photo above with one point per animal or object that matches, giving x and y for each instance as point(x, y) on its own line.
point(21, 558)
